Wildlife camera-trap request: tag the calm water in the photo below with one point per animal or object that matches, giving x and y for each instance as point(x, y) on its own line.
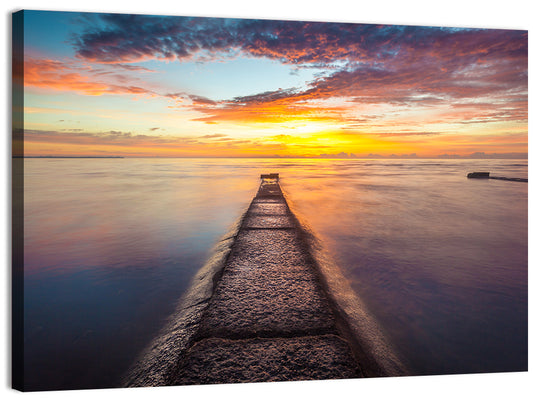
point(111, 244)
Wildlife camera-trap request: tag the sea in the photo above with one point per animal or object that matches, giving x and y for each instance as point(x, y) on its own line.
point(110, 246)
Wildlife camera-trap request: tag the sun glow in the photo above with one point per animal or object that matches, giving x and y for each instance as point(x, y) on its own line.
point(240, 96)
point(310, 127)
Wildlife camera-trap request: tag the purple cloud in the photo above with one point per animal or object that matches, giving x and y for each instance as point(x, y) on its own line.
point(134, 37)
point(399, 65)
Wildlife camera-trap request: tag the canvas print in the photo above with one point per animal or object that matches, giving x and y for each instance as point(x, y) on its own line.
point(215, 200)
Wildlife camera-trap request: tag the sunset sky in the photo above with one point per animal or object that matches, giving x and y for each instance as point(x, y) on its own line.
point(134, 85)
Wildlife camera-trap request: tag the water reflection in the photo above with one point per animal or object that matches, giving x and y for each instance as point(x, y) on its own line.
point(440, 260)
point(110, 245)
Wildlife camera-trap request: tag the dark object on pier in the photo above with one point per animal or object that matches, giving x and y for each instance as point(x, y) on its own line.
point(486, 175)
point(270, 176)
point(478, 175)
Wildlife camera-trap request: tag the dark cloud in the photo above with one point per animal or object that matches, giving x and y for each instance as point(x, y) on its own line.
point(367, 64)
point(135, 68)
point(125, 38)
point(267, 97)
point(201, 100)
point(194, 99)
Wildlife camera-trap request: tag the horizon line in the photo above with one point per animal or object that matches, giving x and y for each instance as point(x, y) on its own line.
point(521, 156)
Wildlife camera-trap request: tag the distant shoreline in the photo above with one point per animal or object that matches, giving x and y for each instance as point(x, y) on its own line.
point(47, 157)
point(277, 158)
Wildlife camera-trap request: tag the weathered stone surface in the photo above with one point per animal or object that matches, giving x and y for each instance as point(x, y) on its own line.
point(282, 305)
point(268, 222)
point(279, 209)
point(271, 359)
point(267, 199)
point(269, 318)
point(269, 189)
point(268, 289)
point(267, 250)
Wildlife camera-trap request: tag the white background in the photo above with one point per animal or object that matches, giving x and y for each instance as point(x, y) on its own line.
point(504, 14)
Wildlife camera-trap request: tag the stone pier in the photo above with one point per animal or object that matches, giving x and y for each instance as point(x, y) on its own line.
point(269, 318)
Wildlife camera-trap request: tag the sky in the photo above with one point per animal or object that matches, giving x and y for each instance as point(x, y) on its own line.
point(140, 85)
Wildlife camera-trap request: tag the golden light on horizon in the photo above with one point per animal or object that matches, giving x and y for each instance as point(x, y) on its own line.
point(279, 99)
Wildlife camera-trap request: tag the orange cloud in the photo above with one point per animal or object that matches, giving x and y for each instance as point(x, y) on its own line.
point(57, 75)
